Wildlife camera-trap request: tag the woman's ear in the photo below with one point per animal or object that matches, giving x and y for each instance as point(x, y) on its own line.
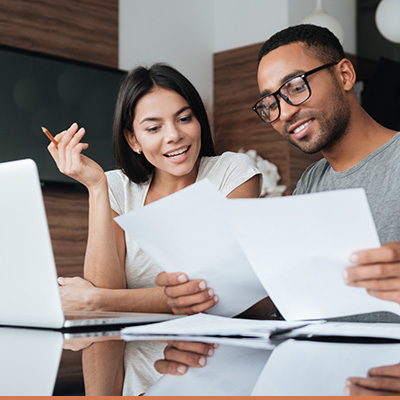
point(131, 139)
point(347, 74)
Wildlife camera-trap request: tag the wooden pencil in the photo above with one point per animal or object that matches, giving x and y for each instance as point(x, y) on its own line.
point(50, 136)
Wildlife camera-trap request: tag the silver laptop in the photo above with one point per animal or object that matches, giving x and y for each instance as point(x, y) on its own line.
point(29, 294)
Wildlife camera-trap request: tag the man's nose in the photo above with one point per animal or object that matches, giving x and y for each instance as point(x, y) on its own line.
point(287, 110)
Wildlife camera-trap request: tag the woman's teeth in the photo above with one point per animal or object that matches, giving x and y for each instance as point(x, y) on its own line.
point(178, 152)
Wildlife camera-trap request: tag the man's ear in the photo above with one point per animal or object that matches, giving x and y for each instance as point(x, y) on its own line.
point(347, 74)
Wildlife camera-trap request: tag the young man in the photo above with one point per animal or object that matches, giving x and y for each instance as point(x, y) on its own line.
point(307, 95)
point(306, 86)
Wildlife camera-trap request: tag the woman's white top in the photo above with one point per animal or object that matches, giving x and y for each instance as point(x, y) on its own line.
point(226, 172)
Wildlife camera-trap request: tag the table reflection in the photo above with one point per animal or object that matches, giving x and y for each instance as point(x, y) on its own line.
point(107, 365)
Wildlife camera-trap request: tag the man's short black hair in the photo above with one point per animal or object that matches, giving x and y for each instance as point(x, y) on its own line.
point(319, 40)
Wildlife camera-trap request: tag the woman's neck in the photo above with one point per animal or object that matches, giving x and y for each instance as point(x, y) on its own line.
point(163, 184)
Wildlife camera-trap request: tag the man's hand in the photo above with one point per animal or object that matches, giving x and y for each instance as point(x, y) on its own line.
point(180, 355)
point(377, 270)
point(381, 381)
point(184, 296)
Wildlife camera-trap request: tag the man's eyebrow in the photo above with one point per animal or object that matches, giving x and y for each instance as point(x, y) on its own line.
point(282, 81)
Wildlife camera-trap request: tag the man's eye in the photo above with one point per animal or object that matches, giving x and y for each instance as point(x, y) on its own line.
point(296, 87)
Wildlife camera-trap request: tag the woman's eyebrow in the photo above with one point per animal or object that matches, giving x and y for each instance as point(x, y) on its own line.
point(180, 111)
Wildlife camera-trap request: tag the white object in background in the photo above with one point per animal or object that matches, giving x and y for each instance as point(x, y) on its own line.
point(321, 18)
point(387, 19)
point(270, 175)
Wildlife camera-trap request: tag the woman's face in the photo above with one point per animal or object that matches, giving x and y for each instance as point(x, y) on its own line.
point(167, 132)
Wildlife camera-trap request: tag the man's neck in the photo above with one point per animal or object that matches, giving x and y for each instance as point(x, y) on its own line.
point(363, 136)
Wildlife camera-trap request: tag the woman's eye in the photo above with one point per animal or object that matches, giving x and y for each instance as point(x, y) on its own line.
point(187, 118)
point(152, 129)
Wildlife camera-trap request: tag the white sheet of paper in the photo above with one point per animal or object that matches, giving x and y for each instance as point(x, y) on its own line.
point(349, 329)
point(304, 368)
point(299, 245)
point(231, 371)
point(186, 232)
point(212, 325)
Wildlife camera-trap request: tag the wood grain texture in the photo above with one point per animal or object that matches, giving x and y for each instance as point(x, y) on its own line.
point(67, 216)
point(83, 30)
point(237, 126)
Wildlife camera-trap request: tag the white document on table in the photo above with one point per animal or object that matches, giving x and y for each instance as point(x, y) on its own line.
point(213, 325)
point(304, 368)
point(299, 246)
point(187, 232)
point(231, 371)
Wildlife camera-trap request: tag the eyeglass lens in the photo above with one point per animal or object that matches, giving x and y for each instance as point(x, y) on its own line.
point(294, 92)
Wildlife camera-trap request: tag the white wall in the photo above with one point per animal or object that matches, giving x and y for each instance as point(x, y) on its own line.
point(343, 10)
point(240, 22)
point(186, 33)
point(179, 32)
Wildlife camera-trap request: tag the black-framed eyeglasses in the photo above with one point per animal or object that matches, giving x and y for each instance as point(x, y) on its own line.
point(294, 91)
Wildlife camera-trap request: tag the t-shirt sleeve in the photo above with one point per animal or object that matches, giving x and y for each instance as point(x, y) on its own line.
point(115, 191)
point(231, 170)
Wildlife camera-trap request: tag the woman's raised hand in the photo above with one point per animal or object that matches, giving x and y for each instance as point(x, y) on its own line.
point(70, 160)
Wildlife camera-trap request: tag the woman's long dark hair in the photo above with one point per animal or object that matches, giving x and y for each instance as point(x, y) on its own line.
point(134, 86)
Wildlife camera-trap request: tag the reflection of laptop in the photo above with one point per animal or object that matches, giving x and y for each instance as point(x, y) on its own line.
point(28, 284)
point(29, 361)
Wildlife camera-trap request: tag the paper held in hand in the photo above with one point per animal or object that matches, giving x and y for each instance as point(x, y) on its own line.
point(294, 248)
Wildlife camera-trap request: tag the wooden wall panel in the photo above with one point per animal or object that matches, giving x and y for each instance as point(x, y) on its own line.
point(83, 30)
point(67, 215)
point(235, 123)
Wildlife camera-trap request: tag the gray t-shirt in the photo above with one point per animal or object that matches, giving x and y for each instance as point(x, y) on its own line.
point(379, 175)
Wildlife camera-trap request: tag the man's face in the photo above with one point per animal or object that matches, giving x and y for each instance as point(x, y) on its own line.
point(321, 120)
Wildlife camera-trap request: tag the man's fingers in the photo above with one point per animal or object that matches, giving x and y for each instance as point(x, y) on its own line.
point(377, 383)
point(386, 370)
point(388, 252)
point(392, 295)
point(364, 272)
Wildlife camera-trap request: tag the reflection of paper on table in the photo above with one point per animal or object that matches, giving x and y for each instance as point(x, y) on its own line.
point(186, 232)
point(231, 371)
point(212, 325)
point(303, 368)
point(299, 245)
point(347, 329)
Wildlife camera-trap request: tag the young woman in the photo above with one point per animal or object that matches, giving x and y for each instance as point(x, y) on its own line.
point(162, 142)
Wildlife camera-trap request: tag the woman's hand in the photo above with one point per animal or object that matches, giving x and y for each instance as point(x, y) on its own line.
point(184, 296)
point(70, 160)
point(77, 294)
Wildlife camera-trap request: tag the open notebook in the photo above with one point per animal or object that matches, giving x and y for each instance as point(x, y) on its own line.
point(28, 285)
